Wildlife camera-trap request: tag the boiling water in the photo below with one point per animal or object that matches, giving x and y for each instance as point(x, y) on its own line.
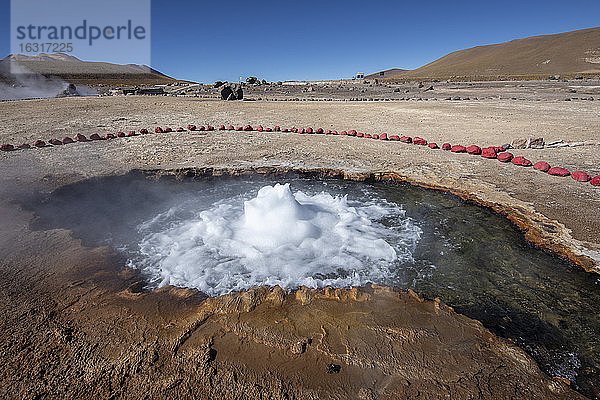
point(275, 238)
point(229, 234)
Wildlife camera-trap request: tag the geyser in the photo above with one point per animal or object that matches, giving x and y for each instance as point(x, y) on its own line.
point(225, 234)
point(276, 238)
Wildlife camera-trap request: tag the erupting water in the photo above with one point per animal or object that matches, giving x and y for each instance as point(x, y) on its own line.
point(278, 238)
point(220, 235)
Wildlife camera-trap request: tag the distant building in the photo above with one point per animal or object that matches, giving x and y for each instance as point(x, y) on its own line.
point(359, 75)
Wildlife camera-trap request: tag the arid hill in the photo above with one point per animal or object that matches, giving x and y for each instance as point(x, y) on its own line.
point(388, 73)
point(74, 70)
point(569, 53)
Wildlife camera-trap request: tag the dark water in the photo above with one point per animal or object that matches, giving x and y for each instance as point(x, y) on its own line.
point(468, 256)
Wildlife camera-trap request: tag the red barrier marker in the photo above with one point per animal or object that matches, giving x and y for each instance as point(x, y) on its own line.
point(505, 156)
point(595, 180)
point(180, 129)
point(277, 128)
point(55, 142)
point(476, 150)
point(120, 134)
point(581, 176)
point(191, 127)
point(558, 171)
point(457, 148)
point(446, 146)
point(394, 137)
point(143, 131)
point(433, 145)
point(320, 130)
point(39, 143)
point(248, 128)
point(7, 147)
point(488, 152)
point(221, 127)
point(67, 140)
point(522, 161)
point(542, 166)
point(406, 139)
point(383, 136)
point(80, 138)
point(24, 146)
point(158, 129)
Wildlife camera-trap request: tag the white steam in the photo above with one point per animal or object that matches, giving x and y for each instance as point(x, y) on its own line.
point(22, 83)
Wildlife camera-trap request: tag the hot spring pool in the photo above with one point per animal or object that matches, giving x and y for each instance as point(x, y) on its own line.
point(224, 234)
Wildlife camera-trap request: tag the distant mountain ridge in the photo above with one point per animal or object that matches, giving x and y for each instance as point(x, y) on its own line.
point(73, 70)
point(568, 53)
point(388, 73)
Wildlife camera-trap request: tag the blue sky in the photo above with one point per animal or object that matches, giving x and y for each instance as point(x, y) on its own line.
point(282, 40)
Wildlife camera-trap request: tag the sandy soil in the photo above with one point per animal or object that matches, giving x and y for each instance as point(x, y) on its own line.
point(73, 321)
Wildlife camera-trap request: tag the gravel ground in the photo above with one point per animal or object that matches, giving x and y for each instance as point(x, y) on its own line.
point(370, 90)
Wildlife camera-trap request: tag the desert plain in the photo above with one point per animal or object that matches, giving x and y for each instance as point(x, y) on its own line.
point(77, 323)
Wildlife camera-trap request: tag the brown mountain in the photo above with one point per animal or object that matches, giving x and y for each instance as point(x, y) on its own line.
point(74, 70)
point(388, 74)
point(569, 53)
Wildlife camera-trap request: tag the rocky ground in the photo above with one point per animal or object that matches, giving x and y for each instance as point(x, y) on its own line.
point(75, 323)
point(375, 90)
